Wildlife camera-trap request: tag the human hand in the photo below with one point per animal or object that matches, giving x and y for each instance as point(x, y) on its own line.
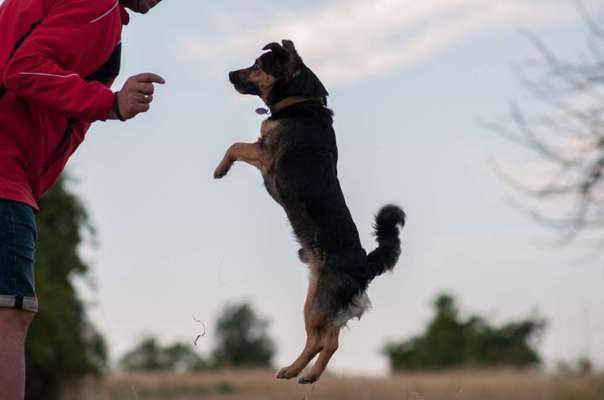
point(136, 96)
point(140, 6)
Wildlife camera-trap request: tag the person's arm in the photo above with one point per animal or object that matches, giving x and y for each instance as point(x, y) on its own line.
point(35, 70)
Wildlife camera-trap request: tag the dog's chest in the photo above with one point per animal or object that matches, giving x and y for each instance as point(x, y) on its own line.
point(269, 139)
point(269, 132)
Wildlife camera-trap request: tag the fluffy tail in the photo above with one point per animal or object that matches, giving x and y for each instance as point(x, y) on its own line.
point(386, 227)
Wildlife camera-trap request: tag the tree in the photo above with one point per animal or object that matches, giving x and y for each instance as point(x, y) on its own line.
point(450, 342)
point(242, 339)
point(241, 342)
point(62, 345)
point(150, 356)
point(567, 137)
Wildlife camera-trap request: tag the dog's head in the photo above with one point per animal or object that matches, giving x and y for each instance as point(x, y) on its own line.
point(277, 74)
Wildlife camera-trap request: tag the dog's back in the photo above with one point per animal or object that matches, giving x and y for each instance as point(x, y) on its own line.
point(304, 181)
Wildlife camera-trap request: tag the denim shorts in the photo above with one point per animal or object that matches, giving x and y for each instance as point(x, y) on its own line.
point(18, 235)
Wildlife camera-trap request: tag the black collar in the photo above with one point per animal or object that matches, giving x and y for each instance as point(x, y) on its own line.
point(287, 102)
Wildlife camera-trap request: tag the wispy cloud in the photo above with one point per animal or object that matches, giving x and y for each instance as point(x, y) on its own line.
point(348, 40)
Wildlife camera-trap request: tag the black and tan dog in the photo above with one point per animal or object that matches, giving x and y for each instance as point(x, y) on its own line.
point(297, 156)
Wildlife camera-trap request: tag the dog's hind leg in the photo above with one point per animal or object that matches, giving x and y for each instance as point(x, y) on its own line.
point(329, 347)
point(311, 349)
point(314, 319)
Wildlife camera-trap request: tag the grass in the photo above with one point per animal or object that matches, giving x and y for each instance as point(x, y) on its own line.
point(261, 385)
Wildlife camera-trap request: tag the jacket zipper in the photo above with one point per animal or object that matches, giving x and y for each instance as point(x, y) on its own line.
point(58, 149)
point(18, 44)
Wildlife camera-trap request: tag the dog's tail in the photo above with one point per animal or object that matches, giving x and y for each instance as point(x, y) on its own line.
point(387, 223)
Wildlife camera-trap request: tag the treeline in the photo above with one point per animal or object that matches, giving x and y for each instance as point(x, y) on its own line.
point(450, 341)
point(63, 346)
point(241, 341)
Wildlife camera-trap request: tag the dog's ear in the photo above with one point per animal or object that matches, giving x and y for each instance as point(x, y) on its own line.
point(287, 59)
point(288, 45)
point(294, 61)
point(277, 49)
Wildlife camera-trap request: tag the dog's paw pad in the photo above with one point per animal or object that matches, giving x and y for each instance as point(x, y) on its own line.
point(308, 379)
point(285, 374)
point(220, 173)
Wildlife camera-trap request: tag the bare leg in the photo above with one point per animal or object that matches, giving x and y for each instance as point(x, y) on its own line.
point(251, 153)
point(13, 331)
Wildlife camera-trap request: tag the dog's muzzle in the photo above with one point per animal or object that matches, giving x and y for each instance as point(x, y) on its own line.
point(234, 77)
point(241, 85)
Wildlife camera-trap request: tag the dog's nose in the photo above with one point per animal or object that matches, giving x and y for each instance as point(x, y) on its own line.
point(233, 77)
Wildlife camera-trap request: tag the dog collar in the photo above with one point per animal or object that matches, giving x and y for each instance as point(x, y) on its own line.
point(287, 102)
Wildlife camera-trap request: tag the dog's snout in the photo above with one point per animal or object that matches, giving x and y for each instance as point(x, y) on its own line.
point(233, 77)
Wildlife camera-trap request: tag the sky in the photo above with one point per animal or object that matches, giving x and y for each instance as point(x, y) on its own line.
point(410, 83)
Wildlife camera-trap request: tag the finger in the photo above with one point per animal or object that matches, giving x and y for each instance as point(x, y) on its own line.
point(138, 97)
point(145, 99)
point(144, 88)
point(136, 109)
point(141, 108)
point(149, 77)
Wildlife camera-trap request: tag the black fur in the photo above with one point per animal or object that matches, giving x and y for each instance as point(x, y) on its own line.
point(303, 179)
point(387, 223)
point(305, 83)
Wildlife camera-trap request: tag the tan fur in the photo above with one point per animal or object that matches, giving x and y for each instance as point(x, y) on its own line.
point(267, 126)
point(321, 334)
point(251, 153)
point(263, 81)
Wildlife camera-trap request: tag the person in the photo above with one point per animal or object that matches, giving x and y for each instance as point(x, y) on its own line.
point(58, 59)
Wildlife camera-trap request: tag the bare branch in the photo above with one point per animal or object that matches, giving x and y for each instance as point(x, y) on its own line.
point(569, 138)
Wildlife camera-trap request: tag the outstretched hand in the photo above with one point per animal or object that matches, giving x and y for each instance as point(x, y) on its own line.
point(140, 6)
point(136, 95)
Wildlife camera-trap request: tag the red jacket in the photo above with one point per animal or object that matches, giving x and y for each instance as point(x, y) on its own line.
point(58, 59)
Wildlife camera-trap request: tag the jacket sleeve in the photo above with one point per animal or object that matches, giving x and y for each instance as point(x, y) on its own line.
point(72, 30)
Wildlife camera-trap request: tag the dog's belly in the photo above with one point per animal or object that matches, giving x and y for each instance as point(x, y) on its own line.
point(270, 183)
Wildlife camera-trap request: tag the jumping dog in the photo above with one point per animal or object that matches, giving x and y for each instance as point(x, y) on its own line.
point(297, 156)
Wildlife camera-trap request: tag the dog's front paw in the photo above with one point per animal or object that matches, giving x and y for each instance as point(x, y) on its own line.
point(286, 373)
point(308, 379)
point(222, 169)
point(219, 174)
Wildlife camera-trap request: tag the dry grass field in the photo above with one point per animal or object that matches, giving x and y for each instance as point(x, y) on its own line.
point(259, 385)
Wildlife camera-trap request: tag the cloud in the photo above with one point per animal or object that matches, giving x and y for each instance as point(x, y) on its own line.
point(349, 40)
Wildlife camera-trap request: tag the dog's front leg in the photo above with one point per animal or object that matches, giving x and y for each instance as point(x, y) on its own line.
point(251, 153)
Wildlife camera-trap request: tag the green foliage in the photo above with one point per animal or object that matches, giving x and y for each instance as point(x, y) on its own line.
point(241, 342)
point(450, 342)
point(242, 339)
point(62, 346)
point(149, 355)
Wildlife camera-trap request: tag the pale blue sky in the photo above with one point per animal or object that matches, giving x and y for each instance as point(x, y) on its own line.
point(409, 84)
